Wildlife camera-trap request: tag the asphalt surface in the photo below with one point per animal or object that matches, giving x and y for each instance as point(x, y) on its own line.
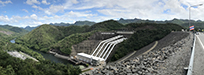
point(198, 64)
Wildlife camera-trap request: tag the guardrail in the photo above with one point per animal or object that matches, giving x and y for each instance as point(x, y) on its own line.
point(190, 66)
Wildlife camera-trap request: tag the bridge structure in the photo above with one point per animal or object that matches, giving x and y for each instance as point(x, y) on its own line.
point(102, 51)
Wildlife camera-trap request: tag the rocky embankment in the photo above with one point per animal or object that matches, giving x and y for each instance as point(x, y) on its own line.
point(164, 61)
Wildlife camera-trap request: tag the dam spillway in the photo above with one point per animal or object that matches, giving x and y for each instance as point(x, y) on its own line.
point(103, 50)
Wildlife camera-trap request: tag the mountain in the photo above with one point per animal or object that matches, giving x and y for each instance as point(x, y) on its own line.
point(126, 21)
point(8, 33)
point(60, 37)
point(42, 37)
point(28, 28)
point(14, 29)
point(45, 35)
point(60, 24)
point(5, 31)
point(182, 22)
point(77, 23)
point(145, 33)
point(106, 25)
point(84, 23)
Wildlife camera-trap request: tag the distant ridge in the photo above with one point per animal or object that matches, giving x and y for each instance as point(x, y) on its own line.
point(182, 22)
point(78, 23)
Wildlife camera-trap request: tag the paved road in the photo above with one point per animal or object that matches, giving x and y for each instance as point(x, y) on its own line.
point(198, 64)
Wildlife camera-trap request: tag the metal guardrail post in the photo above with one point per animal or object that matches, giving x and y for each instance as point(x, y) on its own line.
point(190, 67)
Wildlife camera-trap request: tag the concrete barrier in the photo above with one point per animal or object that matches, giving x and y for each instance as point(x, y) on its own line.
point(190, 67)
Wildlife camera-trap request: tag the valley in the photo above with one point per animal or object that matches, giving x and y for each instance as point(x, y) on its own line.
point(63, 45)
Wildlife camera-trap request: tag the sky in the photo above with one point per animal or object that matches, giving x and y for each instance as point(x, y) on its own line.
point(22, 13)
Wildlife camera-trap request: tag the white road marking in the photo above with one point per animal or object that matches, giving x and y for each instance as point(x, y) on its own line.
point(200, 42)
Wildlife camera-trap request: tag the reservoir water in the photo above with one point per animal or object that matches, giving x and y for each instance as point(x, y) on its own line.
point(13, 41)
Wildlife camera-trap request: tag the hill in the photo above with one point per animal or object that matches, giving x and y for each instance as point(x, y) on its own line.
point(145, 33)
point(84, 23)
point(28, 28)
point(14, 29)
point(77, 23)
point(182, 22)
point(9, 32)
point(41, 37)
point(106, 26)
point(61, 38)
point(47, 37)
point(16, 66)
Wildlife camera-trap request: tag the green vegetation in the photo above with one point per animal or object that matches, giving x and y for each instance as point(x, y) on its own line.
point(14, 29)
point(106, 26)
point(9, 35)
point(61, 38)
point(41, 37)
point(47, 37)
point(149, 33)
point(182, 22)
point(15, 66)
point(65, 44)
point(84, 23)
point(44, 36)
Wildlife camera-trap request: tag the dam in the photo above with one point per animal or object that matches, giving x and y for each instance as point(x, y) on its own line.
point(103, 49)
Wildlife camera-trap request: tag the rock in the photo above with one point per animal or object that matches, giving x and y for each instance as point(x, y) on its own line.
point(150, 69)
point(107, 67)
point(139, 72)
point(128, 71)
point(154, 71)
point(110, 73)
point(103, 71)
point(134, 70)
point(148, 74)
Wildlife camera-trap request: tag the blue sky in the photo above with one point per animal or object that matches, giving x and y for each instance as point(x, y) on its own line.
point(23, 13)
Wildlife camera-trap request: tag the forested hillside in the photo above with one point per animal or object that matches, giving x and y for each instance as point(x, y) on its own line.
point(48, 37)
point(145, 33)
point(14, 29)
point(15, 66)
point(182, 22)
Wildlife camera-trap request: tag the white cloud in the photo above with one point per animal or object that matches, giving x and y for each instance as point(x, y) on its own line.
point(79, 14)
point(100, 10)
point(37, 7)
point(34, 17)
point(54, 9)
point(5, 2)
point(74, 1)
point(25, 10)
point(4, 18)
point(31, 2)
point(45, 2)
